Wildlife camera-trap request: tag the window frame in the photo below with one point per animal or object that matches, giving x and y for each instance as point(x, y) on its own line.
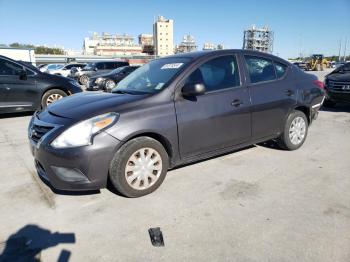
point(23, 67)
point(199, 64)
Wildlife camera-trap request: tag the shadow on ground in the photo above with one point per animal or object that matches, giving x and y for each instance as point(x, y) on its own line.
point(28, 242)
point(13, 115)
point(345, 108)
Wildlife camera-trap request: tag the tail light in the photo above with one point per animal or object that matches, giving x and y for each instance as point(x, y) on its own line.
point(319, 84)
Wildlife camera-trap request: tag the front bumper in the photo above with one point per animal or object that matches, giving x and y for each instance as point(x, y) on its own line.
point(73, 169)
point(338, 96)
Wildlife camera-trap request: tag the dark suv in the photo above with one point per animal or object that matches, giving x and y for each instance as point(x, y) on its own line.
point(23, 87)
point(169, 112)
point(338, 86)
point(97, 68)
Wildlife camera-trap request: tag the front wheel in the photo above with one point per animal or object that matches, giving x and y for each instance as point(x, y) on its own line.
point(139, 167)
point(84, 80)
point(295, 131)
point(51, 96)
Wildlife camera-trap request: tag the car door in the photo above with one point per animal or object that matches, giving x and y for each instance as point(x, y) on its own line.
point(272, 93)
point(221, 117)
point(18, 92)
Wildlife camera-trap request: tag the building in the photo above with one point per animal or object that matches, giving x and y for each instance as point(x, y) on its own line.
point(146, 42)
point(209, 46)
point(163, 36)
point(260, 39)
point(110, 45)
point(188, 44)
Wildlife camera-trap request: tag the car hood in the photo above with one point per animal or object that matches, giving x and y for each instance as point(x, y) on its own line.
point(85, 105)
point(341, 77)
point(107, 75)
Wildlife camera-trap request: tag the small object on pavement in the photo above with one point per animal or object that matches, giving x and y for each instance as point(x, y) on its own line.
point(156, 237)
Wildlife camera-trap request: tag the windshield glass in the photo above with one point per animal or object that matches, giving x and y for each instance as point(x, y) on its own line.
point(118, 70)
point(152, 77)
point(89, 66)
point(345, 67)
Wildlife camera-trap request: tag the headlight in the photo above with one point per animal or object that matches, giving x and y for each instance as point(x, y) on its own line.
point(81, 134)
point(99, 80)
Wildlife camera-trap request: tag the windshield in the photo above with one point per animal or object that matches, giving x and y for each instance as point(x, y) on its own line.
point(118, 70)
point(152, 77)
point(89, 66)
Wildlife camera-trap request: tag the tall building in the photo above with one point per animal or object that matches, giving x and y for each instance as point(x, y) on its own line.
point(107, 44)
point(188, 44)
point(163, 36)
point(260, 39)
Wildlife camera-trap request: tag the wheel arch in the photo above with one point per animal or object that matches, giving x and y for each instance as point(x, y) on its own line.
point(306, 110)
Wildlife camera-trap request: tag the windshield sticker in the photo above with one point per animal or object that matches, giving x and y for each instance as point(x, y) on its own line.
point(172, 66)
point(159, 86)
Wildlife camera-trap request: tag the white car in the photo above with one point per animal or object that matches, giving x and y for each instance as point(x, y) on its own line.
point(65, 70)
point(48, 67)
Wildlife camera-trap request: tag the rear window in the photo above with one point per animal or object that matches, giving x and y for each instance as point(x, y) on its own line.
point(260, 69)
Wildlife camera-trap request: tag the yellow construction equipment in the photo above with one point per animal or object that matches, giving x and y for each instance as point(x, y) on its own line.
point(317, 63)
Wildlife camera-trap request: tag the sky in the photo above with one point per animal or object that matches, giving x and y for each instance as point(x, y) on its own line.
point(307, 26)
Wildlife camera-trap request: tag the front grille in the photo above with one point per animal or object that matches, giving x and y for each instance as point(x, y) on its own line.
point(38, 131)
point(339, 86)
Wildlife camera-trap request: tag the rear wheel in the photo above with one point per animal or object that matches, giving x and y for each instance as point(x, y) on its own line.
point(139, 167)
point(295, 131)
point(51, 96)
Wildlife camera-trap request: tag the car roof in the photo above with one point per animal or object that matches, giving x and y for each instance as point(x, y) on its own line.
point(208, 53)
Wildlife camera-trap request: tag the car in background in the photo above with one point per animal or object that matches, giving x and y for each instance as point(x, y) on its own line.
point(65, 70)
point(338, 64)
point(337, 84)
point(301, 65)
point(48, 67)
point(25, 88)
point(107, 82)
point(97, 68)
point(172, 111)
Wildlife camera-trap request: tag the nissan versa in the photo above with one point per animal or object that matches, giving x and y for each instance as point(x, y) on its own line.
point(171, 111)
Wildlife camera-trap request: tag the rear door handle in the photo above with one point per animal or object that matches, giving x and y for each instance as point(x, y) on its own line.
point(236, 103)
point(289, 92)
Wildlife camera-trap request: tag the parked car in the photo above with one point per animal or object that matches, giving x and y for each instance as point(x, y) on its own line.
point(301, 65)
point(48, 67)
point(65, 70)
point(169, 112)
point(24, 88)
point(337, 84)
point(107, 82)
point(97, 68)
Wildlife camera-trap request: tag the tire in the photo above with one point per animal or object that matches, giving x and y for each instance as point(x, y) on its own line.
point(83, 80)
point(52, 96)
point(109, 85)
point(123, 166)
point(285, 141)
point(329, 103)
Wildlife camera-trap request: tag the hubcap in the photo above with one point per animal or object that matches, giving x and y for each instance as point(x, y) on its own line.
point(143, 168)
point(52, 98)
point(297, 130)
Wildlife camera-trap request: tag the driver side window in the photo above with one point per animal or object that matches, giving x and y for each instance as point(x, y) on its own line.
point(9, 68)
point(218, 73)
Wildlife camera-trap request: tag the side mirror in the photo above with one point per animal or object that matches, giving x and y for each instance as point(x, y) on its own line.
point(22, 74)
point(193, 90)
point(95, 68)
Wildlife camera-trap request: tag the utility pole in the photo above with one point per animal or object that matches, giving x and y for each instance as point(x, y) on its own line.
point(339, 50)
point(346, 41)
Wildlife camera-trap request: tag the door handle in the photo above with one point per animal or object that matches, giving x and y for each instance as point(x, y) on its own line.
point(289, 92)
point(236, 103)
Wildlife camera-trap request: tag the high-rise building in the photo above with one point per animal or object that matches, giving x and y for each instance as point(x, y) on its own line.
point(260, 39)
point(163, 36)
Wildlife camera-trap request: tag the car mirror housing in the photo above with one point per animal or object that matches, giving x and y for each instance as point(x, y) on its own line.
point(193, 89)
